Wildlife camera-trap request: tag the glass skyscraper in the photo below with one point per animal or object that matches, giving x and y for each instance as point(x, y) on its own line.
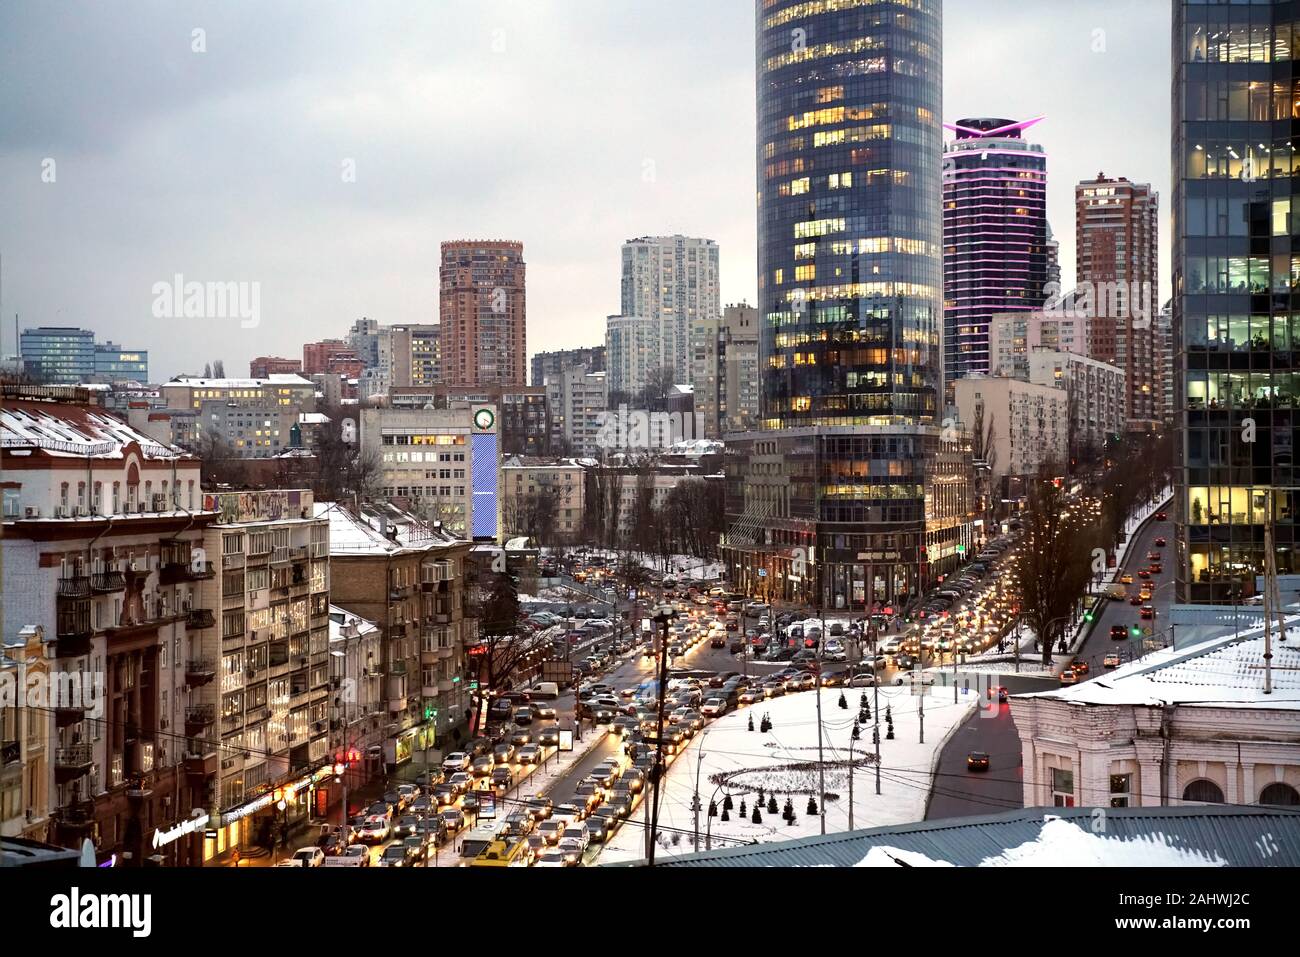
point(995, 255)
point(58, 355)
point(845, 497)
point(1236, 307)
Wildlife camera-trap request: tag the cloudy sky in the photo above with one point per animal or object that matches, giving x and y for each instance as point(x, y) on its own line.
point(325, 149)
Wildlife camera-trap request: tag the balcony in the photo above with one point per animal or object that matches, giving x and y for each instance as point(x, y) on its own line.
point(105, 583)
point(397, 704)
point(199, 671)
point(200, 766)
point(446, 684)
point(73, 628)
point(175, 572)
point(197, 618)
point(71, 762)
point(198, 717)
point(74, 586)
point(68, 716)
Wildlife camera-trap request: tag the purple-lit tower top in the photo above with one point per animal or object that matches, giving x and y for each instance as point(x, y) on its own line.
point(995, 234)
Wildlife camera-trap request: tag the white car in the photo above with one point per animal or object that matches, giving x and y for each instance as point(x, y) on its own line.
point(308, 857)
point(375, 828)
point(1110, 661)
point(914, 678)
point(714, 707)
point(456, 761)
point(544, 710)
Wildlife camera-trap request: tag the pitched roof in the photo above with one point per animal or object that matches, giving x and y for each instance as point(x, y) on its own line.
point(1195, 835)
point(1226, 671)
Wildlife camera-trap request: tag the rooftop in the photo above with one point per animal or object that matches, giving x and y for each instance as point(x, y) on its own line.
point(276, 378)
point(1197, 835)
point(1227, 671)
point(74, 430)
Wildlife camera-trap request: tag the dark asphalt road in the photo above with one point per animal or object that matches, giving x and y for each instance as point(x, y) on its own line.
point(958, 792)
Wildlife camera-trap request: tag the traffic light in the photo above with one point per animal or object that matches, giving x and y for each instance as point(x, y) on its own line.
point(1087, 616)
point(1135, 631)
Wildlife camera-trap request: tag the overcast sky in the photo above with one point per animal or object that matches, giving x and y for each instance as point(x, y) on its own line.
point(571, 125)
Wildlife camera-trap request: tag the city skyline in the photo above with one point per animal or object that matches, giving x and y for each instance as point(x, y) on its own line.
point(259, 132)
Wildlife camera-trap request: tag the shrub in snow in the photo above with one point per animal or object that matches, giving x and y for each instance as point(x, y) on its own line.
point(844, 702)
point(812, 805)
point(771, 804)
point(758, 817)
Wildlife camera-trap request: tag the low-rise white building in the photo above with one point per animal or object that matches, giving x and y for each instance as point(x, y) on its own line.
point(1180, 726)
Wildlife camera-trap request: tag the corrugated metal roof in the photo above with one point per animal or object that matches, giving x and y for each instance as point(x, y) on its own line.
point(1241, 836)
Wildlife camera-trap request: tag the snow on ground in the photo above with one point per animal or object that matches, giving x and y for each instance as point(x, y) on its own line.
point(784, 759)
point(1062, 843)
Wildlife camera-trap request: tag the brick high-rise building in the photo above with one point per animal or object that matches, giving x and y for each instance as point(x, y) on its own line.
point(1117, 225)
point(482, 313)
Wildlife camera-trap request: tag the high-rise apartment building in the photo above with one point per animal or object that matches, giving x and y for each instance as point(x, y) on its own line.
point(995, 235)
point(632, 354)
point(577, 399)
point(482, 313)
point(1117, 230)
point(827, 502)
point(672, 280)
point(1236, 259)
point(725, 370)
point(591, 358)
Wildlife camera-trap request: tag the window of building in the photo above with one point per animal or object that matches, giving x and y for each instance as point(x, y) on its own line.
point(1202, 791)
point(1120, 785)
point(1280, 794)
point(1062, 787)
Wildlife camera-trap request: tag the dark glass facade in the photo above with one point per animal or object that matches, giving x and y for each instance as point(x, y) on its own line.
point(995, 255)
point(846, 496)
point(849, 229)
point(1236, 127)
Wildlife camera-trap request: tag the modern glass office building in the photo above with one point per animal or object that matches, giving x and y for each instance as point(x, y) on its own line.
point(58, 355)
point(995, 253)
point(838, 499)
point(1236, 306)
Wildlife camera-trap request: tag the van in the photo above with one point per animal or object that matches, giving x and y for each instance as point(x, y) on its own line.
point(548, 690)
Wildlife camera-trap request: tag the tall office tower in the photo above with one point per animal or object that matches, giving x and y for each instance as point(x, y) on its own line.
point(674, 281)
point(591, 358)
point(482, 313)
point(827, 501)
point(1117, 229)
point(725, 371)
point(58, 355)
point(995, 252)
point(632, 346)
point(1236, 243)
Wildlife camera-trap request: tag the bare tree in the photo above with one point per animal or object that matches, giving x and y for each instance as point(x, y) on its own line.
point(1053, 562)
point(658, 386)
point(984, 454)
point(221, 463)
point(345, 470)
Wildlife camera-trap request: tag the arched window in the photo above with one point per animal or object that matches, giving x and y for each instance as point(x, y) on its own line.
point(1203, 792)
point(1279, 795)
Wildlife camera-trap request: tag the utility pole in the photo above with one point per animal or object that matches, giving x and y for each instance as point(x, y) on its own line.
point(851, 770)
point(821, 757)
point(662, 617)
point(875, 693)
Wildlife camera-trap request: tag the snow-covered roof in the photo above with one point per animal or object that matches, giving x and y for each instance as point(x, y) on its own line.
point(275, 378)
point(313, 418)
point(1226, 671)
point(379, 530)
point(70, 430)
point(341, 619)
